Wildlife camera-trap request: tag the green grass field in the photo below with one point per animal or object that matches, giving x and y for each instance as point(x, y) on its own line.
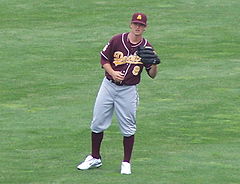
point(188, 118)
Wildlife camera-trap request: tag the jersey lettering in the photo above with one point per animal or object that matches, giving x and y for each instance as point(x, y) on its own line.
point(120, 59)
point(118, 55)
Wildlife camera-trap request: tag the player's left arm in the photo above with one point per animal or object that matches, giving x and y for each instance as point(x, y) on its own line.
point(152, 72)
point(152, 68)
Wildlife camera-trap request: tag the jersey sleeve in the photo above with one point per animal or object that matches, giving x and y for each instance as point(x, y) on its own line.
point(107, 52)
point(103, 60)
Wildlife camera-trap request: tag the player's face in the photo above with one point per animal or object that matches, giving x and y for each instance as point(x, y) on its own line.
point(137, 29)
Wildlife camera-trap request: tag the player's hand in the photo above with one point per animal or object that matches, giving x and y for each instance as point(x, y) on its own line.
point(117, 76)
point(148, 55)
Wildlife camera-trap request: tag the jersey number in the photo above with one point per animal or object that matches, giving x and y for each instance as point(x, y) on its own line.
point(136, 70)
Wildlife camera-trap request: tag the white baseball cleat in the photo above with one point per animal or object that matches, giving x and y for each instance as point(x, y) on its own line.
point(125, 168)
point(89, 163)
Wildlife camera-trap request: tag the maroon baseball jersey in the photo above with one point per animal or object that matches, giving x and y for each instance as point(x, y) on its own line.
point(121, 54)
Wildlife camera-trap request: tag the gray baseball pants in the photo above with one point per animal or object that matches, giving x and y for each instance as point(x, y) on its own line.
point(121, 99)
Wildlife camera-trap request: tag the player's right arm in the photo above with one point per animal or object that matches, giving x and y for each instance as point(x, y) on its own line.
point(107, 56)
point(116, 75)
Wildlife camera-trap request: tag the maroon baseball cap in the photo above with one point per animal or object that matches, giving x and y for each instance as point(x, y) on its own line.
point(139, 18)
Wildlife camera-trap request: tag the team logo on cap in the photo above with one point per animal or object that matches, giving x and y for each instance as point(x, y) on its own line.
point(139, 17)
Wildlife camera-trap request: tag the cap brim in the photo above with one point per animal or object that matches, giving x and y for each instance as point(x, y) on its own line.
point(140, 22)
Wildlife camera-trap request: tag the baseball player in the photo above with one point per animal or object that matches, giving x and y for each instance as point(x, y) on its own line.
point(123, 60)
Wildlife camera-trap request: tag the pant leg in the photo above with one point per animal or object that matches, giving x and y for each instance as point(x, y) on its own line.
point(103, 108)
point(125, 107)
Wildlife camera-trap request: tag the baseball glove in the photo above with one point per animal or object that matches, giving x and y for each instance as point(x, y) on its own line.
point(147, 55)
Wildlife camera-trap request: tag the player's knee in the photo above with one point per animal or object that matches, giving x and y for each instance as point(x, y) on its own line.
point(128, 133)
